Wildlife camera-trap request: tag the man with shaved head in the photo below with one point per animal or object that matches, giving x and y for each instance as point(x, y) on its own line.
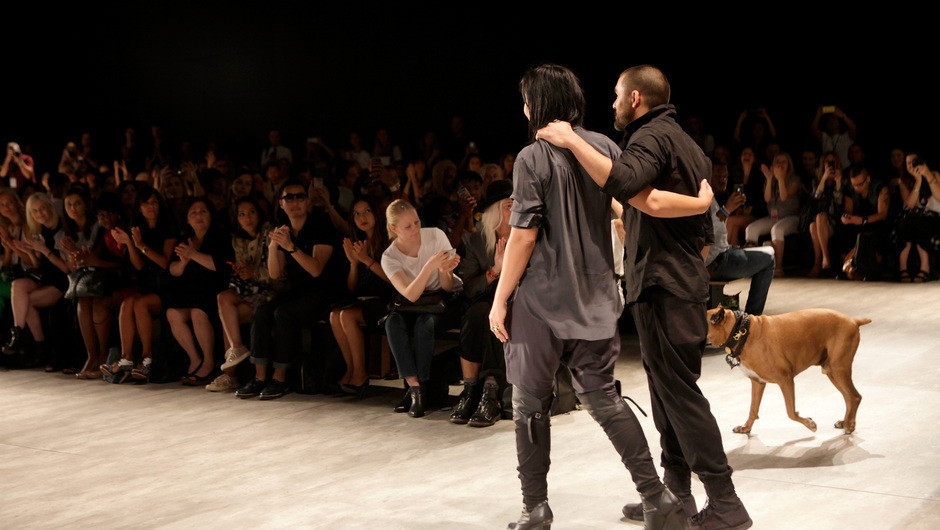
point(666, 286)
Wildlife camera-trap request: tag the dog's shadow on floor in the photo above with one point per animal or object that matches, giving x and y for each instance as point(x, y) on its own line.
point(837, 451)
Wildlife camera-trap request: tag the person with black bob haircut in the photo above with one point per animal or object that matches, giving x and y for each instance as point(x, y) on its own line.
point(560, 236)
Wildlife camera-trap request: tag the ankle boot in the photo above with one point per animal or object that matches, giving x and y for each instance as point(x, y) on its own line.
point(16, 346)
point(488, 412)
point(417, 401)
point(405, 402)
point(679, 482)
point(539, 517)
point(724, 510)
point(469, 399)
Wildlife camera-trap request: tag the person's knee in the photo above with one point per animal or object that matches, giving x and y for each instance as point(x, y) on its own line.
point(526, 405)
point(199, 317)
point(394, 323)
point(601, 406)
point(173, 316)
point(348, 318)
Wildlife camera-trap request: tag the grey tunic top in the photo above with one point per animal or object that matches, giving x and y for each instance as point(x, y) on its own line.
point(569, 282)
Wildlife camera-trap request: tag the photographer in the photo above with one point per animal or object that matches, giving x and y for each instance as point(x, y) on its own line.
point(17, 166)
point(761, 134)
point(833, 138)
point(919, 223)
point(828, 196)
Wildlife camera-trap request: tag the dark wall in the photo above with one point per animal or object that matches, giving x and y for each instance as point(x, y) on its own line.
point(223, 71)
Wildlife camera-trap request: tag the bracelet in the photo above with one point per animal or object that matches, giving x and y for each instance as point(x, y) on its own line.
point(724, 211)
point(491, 274)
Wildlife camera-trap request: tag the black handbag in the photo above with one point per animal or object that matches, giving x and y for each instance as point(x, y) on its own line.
point(90, 282)
point(434, 302)
point(808, 214)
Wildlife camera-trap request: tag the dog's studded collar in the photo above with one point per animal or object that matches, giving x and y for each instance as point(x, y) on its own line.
point(737, 338)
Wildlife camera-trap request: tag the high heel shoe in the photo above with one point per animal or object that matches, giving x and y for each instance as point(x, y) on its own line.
point(357, 390)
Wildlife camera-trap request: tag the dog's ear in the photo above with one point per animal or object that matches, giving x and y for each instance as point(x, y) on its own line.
point(718, 316)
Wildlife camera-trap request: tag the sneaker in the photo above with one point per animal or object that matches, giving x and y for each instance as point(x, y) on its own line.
point(274, 389)
point(234, 356)
point(250, 390)
point(223, 383)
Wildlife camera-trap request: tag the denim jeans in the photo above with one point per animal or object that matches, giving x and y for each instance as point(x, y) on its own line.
point(754, 263)
point(399, 327)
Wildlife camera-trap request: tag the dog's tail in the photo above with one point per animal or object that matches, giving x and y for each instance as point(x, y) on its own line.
point(862, 321)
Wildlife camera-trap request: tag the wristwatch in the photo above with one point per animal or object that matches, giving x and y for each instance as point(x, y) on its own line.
point(291, 251)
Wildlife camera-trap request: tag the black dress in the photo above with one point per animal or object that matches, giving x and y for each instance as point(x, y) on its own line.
point(198, 287)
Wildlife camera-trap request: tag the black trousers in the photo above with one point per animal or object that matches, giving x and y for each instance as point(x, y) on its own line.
point(276, 326)
point(479, 345)
point(672, 340)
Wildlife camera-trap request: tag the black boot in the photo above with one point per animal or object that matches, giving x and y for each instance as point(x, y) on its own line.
point(724, 510)
point(533, 444)
point(16, 347)
point(469, 399)
point(538, 517)
point(405, 402)
point(679, 482)
point(488, 412)
point(417, 401)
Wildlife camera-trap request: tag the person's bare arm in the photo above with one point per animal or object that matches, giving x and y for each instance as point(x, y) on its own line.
point(518, 252)
point(315, 262)
point(412, 289)
point(560, 133)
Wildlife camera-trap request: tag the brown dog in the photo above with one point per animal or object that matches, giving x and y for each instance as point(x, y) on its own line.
point(779, 347)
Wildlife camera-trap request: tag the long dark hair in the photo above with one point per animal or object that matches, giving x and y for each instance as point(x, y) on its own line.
point(379, 241)
point(69, 224)
point(552, 92)
point(237, 229)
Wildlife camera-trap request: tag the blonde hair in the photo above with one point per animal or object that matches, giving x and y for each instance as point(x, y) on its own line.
point(393, 214)
point(34, 226)
point(489, 222)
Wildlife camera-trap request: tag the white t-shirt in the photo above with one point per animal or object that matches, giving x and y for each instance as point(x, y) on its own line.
point(433, 240)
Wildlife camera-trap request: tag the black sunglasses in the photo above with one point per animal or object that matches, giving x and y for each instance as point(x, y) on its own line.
point(294, 196)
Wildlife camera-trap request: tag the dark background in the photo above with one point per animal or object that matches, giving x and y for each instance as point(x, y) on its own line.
point(228, 72)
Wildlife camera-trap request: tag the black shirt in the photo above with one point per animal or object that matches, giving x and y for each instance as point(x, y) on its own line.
point(569, 283)
point(316, 230)
point(663, 252)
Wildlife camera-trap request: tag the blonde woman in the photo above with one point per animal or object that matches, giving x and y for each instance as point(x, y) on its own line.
point(45, 283)
point(419, 260)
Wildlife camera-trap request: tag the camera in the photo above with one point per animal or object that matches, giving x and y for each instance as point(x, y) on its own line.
point(829, 109)
point(738, 188)
point(916, 161)
point(831, 164)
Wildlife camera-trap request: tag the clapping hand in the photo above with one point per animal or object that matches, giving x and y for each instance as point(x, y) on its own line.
point(136, 237)
point(350, 251)
point(185, 251)
point(500, 254)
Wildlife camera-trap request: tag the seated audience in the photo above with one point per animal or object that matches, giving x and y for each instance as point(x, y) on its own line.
point(418, 261)
point(250, 285)
point(481, 353)
point(150, 246)
point(370, 288)
point(750, 184)
point(44, 284)
point(866, 211)
point(781, 192)
point(726, 263)
point(919, 225)
point(828, 202)
point(201, 271)
point(299, 252)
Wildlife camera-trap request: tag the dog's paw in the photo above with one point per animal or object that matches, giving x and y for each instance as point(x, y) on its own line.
point(839, 424)
point(810, 424)
point(849, 428)
point(742, 429)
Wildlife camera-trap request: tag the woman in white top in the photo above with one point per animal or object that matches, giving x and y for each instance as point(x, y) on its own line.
point(418, 260)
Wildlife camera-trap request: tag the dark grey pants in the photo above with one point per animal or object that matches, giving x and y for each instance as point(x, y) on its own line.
point(672, 340)
point(533, 354)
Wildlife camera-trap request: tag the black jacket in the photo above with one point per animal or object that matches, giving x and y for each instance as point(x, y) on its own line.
point(663, 252)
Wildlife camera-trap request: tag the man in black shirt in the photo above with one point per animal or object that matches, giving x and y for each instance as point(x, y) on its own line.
point(667, 285)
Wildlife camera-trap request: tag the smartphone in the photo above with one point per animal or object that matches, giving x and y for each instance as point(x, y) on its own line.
point(829, 109)
point(317, 182)
point(738, 188)
point(451, 253)
point(463, 193)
